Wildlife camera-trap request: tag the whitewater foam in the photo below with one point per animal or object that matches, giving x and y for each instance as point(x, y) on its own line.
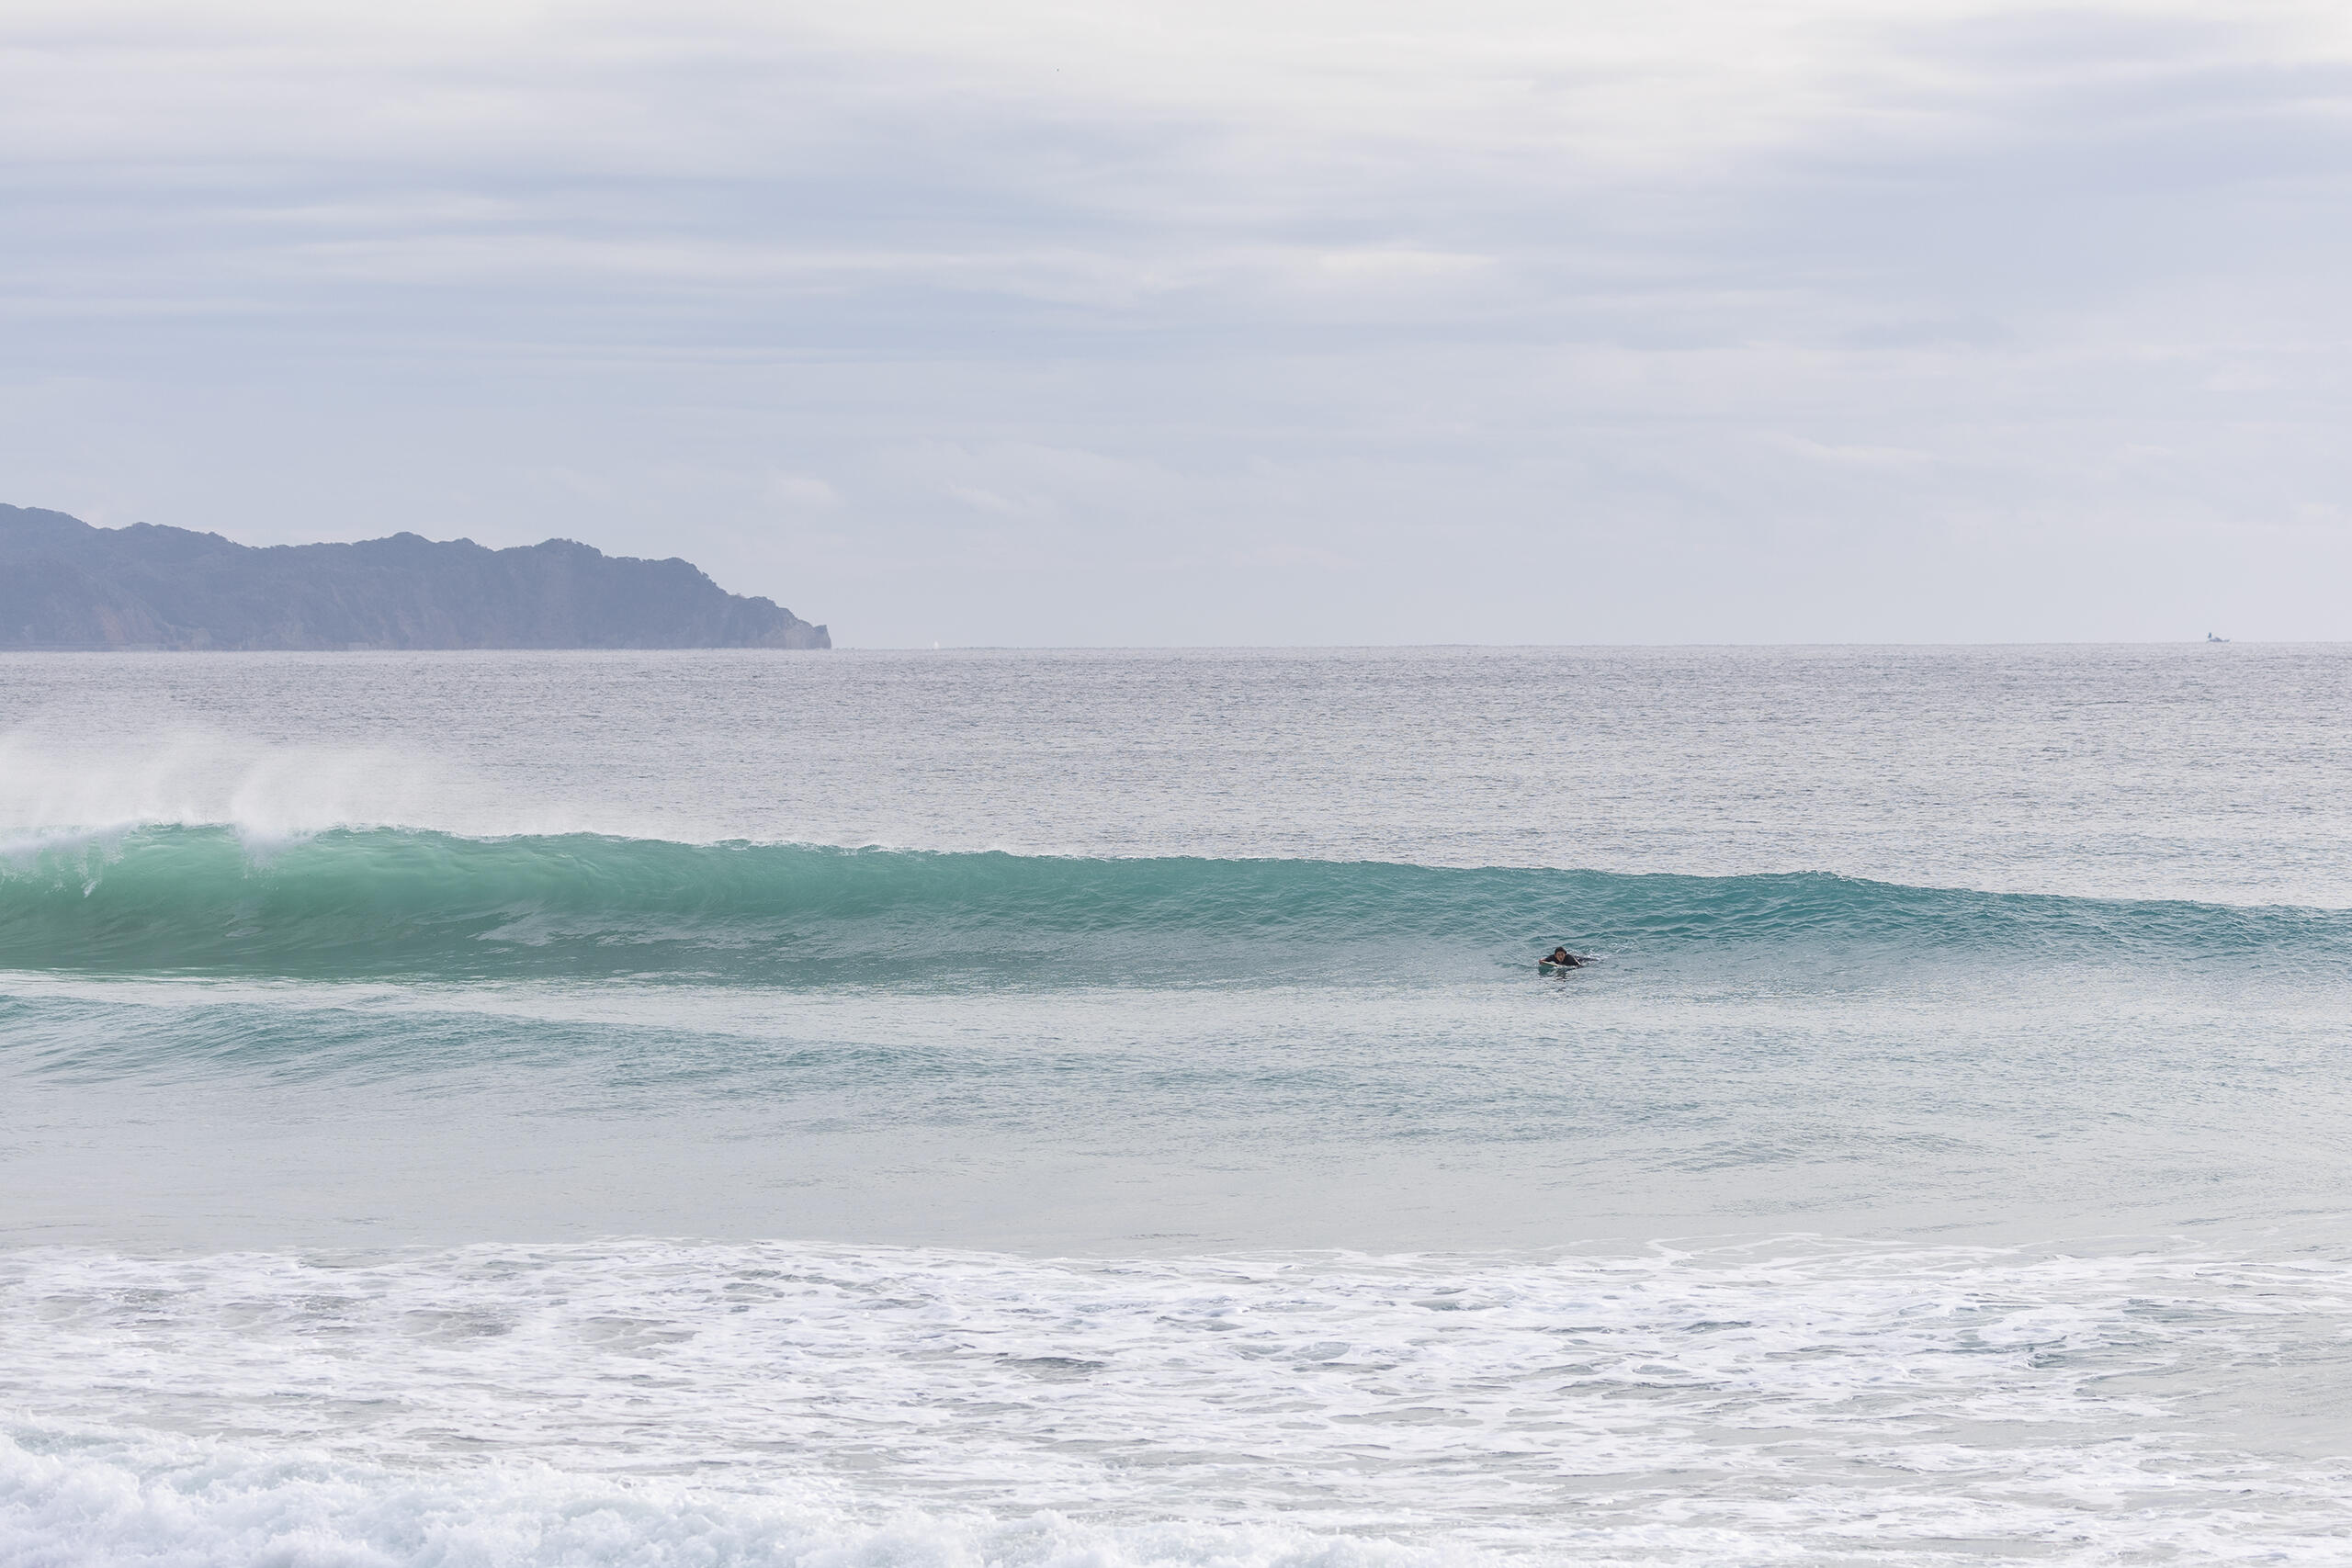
point(646, 1400)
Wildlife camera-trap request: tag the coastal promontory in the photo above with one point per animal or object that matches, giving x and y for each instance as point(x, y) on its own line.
point(67, 586)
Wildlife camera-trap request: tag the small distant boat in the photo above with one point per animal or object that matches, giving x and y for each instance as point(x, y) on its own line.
point(2211, 637)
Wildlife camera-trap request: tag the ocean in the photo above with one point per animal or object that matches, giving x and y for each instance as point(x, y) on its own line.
point(1075, 1109)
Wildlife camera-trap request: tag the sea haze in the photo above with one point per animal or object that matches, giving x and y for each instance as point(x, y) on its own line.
point(990, 1107)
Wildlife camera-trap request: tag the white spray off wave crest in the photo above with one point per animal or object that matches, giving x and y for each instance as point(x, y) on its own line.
point(55, 785)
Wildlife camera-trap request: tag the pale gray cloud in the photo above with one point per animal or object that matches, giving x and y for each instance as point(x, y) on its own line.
point(1127, 322)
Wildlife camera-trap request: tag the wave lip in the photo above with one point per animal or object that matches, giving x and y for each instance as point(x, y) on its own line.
point(389, 902)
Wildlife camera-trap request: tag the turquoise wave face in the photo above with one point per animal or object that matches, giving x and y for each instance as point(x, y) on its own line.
point(385, 903)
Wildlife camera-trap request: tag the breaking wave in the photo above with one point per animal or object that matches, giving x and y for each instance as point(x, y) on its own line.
point(392, 903)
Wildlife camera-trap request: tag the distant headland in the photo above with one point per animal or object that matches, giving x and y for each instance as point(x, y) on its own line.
point(66, 585)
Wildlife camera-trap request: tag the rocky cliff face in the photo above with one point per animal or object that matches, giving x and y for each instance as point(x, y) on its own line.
point(64, 584)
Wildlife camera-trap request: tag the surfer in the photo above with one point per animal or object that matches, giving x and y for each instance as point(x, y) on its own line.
point(1561, 959)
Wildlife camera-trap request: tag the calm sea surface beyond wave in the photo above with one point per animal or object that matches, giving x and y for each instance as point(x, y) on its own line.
point(1094, 1109)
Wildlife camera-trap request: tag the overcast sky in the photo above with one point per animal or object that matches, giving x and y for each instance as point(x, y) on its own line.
point(1014, 323)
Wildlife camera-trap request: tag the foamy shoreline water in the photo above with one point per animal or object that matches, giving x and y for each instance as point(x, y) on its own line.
point(628, 1401)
